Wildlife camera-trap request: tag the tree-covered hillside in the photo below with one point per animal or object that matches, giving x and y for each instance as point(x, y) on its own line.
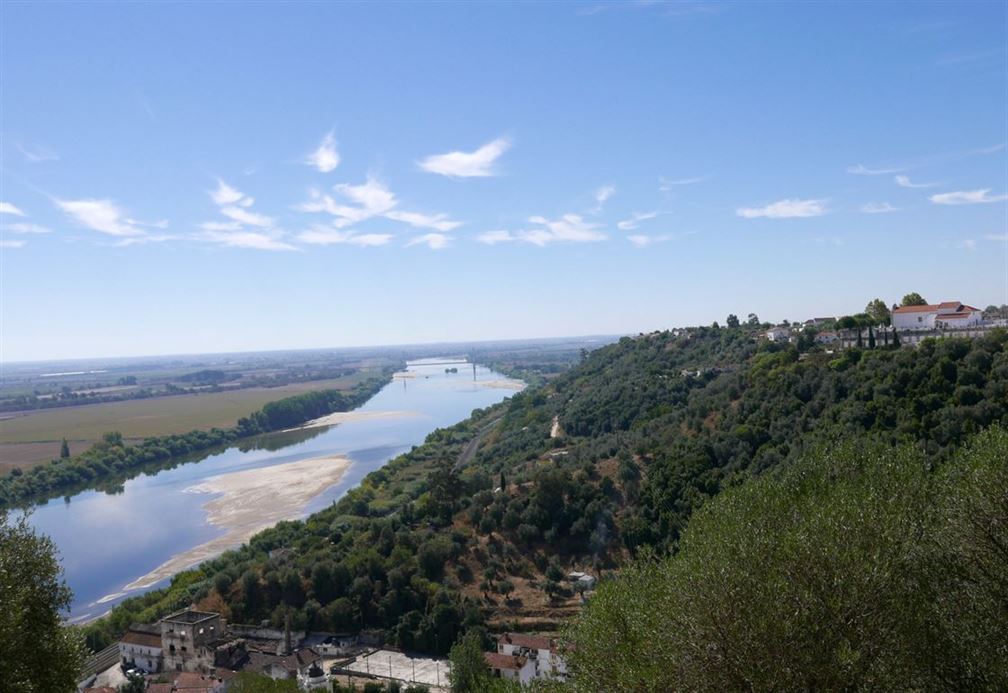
point(478, 526)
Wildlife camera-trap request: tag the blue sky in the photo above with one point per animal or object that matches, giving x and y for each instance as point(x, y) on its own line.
point(181, 178)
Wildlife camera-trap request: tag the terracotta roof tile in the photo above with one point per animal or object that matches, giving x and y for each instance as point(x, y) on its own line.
point(502, 661)
point(132, 637)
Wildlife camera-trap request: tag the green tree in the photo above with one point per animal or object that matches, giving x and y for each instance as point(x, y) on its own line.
point(913, 299)
point(64, 449)
point(469, 672)
point(753, 320)
point(40, 653)
point(871, 337)
point(732, 321)
point(247, 682)
point(878, 311)
point(857, 568)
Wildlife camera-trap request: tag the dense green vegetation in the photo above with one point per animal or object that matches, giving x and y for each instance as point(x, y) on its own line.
point(38, 652)
point(649, 430)
point(859, 567)
point(112, 458)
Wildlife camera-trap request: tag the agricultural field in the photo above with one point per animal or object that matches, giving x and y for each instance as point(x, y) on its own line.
point(30, 438)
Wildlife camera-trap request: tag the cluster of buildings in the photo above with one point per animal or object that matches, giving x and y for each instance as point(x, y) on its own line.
point(913, 323)
point(200, 651)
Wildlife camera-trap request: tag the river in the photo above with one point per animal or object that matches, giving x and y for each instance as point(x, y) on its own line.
point(106, 541)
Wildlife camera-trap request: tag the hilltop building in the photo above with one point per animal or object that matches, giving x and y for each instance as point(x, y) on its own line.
point(950, 314)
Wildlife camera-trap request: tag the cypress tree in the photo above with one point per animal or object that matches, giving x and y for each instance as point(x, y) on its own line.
point(871, 337)
point(65, 449)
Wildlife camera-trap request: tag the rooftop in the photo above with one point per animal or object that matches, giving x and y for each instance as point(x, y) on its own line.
point(533, 642)
point(142, 638)
point(502, 661)
point(190, 616)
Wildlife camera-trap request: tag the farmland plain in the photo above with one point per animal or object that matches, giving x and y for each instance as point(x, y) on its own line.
point(33, 437)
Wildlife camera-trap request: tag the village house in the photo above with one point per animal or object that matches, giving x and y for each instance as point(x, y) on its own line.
point(778, 334)
point(511, 667)
point(950, 314)
point(140, 648)
point(525, 657)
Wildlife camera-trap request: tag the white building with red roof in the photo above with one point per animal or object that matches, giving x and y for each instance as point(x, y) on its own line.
point(525, 657)
point(950, 314)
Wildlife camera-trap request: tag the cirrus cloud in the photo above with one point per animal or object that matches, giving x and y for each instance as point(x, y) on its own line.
point(8, 208)
point(785, 209)
point(100, 215)
point(967, 197)
point(325, 158)
point(477, 164)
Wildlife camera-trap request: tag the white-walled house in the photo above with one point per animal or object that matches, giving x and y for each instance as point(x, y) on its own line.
point(541, 657)
point(511, 667)
point(950, 314)
point(140, 647)
point(778, 334)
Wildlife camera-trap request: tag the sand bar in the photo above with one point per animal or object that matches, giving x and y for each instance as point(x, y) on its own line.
point(356, 415)
point(251, 500)
point(503, 384)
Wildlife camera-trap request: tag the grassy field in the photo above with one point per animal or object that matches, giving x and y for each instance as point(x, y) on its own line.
point(35, 436)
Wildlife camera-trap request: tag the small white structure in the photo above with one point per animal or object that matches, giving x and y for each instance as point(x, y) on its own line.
point(950, 314)
point(336, 644)
point(313, 678)
point(778, 334)
point(582, 581)
point(511, 667)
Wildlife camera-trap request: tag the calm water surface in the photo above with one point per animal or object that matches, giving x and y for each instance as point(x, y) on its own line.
point(107, 540)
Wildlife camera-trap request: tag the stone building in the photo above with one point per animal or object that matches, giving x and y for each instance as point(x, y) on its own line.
point(187, 640)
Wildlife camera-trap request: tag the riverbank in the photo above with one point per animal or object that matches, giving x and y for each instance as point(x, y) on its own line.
point(248, 502)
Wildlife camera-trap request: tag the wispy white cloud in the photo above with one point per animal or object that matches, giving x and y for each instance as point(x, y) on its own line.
point(634, 221)
point(496, 236)
point(248, 239)
point(438, 222)
point(323, 236)
point(225, 195)
point(570, 228)
point(37, 154)
point(434, 241)
point(244, 216)
point(642, 241)
point(372, 199)
point(991, 149)
point(100, 215)
point(785, 209)
point(905, 182)
point(23, 227)
point(145, 239)
point(969, 244)
point(967, 197)
point(12, 243)
point(220, 226)
point(8, 208)
point(1000, 237)
point(325, 158)
point(862, 170)
point(477, 164)
point(667, 184)
point(878, 208)
point(602, 196)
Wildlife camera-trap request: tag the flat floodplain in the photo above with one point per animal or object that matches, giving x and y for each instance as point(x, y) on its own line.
point(28, 438)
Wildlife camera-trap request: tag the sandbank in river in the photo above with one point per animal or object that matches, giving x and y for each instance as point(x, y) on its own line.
point(250, 501)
